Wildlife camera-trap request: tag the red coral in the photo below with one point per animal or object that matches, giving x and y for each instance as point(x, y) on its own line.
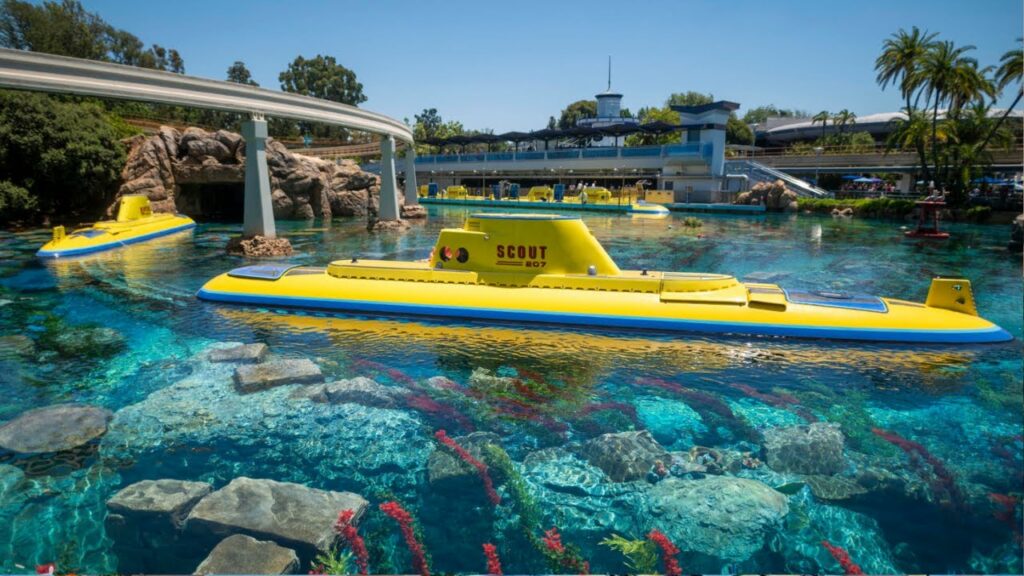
point(468, 458)
point(355, 542)
point(841, 556)
point(424, 403)
point(553, 540)
point(776, 399)
point(916, 452)
point(560, 555)
point(493, 563)
point(46, 568)
point(404, 519)
point(668, 552)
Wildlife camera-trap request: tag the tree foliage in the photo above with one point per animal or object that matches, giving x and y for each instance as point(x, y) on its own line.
point(760, 114)
point(56, 158)
point(67, 29)
point(573, 112)
point(689, 98)
point(936, 75)
point(239, 74)
point(322, 77)
point(737, 132)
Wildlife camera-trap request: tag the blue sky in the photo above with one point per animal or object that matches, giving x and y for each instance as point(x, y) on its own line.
point(509, 65)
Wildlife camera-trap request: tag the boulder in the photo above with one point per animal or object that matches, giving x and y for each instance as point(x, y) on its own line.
point(259, 247)
point(773, 195)
point(387, 225)
point(722, 516)
point(54, 428)
point(359, 390)
point(282, 204)
point(240, 554)
point(242, 354)
point(625, 456)
point(446, 471)
point(157, 501)
point(808, 449)
point(15, 345)
point(256, 377)
point(413, 211)
point(291, 515)
point(834, 487)
point(90, 341)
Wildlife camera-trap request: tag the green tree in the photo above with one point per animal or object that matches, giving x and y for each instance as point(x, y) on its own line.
point(651, 115)
point(689, 98)
point(761, 114)
point(822, 117)
point(901, 61)
point(66, 157)
point(950, 78)
point(842, 118)
point(238, 73)
point(737, 131)
point(573, 112)
point(322, 77)
point(552, 123)
point(67, 29)
point(1011, 67)
point(428, 123)
point(911, 133)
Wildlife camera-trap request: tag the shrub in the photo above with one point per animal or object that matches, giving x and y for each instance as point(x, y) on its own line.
point(57, 158)
point(979, 214)
point(871, 207)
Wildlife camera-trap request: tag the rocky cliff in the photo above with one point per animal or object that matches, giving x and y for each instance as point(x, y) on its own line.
point(303, 187)
point(774, 196)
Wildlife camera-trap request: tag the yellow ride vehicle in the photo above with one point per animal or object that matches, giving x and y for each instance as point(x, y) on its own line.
point(456, 192)
point(541, 268)
point(135, 222)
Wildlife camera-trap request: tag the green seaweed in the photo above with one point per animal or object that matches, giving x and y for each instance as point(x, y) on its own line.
point(641, 554)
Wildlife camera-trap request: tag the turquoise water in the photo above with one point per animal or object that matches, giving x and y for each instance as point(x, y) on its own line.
point(544, 393)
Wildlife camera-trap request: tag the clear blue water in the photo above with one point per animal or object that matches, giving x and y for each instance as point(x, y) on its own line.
point(178, 417)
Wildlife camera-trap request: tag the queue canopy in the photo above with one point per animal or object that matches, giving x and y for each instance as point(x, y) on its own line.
point(547, 135)
point(617, 130)
point(659, 127)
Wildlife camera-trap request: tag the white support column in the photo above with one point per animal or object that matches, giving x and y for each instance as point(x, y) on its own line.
point(388, 185)
point(411, 196)
point(258, 212)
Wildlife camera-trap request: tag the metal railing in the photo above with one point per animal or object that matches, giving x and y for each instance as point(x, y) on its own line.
point(758, 172)
point(703, 150)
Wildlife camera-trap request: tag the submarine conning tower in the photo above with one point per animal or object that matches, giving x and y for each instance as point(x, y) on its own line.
point(522, 243)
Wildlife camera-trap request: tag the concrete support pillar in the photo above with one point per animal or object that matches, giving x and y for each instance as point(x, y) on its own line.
point(906, 183)
point(388, 185)
point(259, 213)
point(411, 197)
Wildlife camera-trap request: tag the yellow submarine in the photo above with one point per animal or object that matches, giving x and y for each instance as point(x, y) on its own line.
point(541, 268)
point(135, 222)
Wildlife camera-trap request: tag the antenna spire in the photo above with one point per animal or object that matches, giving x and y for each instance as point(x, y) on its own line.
point(609, 73)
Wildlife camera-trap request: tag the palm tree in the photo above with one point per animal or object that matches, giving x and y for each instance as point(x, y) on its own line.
point(911, 133)
point(822, 117)
point(949, 77)
point(900, 62)
point(842, 118)
point(965, 150)
point(1011, 68)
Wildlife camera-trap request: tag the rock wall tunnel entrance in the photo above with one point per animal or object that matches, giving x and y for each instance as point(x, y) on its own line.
point(218, 202)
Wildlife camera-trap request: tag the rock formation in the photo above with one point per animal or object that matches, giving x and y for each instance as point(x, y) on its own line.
point(259, 247)
point(54, 428)
point(721, 516)
point(774, 196)
point(813, 449)
point(241, 554)
point(302, 187)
